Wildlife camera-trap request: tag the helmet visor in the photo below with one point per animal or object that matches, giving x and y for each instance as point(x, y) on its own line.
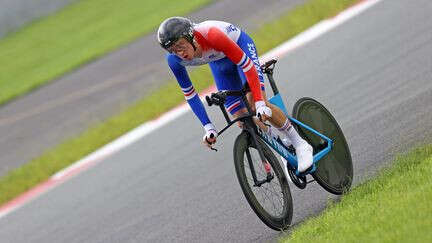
point(178, 46)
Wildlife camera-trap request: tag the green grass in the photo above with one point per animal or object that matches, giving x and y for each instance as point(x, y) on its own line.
point(394, 207)
point(77, 34)
point(39, 169)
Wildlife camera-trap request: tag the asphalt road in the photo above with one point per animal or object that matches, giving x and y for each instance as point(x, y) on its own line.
point(373, 72)
point(64, 108)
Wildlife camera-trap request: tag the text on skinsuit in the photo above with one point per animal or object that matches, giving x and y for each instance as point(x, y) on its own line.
point(252, 51)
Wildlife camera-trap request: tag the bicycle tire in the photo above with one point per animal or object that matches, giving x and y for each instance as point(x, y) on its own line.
point(335, 170)
point(242, 143)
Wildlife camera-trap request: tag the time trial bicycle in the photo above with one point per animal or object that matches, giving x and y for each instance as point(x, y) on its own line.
point(262, 177)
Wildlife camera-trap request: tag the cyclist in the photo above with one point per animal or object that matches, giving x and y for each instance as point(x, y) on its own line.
point(233, 60)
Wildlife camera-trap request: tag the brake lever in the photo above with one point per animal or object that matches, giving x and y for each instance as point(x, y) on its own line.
point(211, 144)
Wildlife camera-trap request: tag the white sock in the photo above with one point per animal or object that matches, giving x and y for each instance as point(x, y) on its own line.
point(291, 133)
point(271, 132)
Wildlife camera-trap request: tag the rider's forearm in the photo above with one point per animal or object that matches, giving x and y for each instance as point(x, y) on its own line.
point(199, 110)
point(187, 88)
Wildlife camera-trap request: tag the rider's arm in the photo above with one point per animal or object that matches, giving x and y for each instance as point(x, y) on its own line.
point(188, 90)
point(221, 42)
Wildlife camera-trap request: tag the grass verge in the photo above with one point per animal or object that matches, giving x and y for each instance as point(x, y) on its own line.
point(394, 207)
point(57, 158)
point(83, 31)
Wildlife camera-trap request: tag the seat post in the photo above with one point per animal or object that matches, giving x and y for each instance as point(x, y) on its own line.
point(272, 82)
point(267, 68)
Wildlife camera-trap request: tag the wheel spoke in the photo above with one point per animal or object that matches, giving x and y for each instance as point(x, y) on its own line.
point(269, 197)
point(278, 196)
point(256, 172)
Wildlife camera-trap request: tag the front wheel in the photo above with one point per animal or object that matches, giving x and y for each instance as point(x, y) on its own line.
point(335, 170)
point(272, 200)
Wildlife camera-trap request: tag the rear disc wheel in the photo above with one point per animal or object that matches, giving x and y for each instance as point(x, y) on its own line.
point(335, 170)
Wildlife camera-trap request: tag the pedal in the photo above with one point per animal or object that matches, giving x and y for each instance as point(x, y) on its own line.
point(268, 179)
point(306, 172)
point(300, 182)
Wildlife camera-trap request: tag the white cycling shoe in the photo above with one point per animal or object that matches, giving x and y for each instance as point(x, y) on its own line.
point(304, 154)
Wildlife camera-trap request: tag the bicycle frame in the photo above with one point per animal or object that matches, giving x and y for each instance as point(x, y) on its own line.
point(249, 125)
point(278, 146)
point(289, 156)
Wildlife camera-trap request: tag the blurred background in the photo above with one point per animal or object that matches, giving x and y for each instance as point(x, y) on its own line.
point(16, 13)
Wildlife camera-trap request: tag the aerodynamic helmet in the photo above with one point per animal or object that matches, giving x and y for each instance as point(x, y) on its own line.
point(174, 28)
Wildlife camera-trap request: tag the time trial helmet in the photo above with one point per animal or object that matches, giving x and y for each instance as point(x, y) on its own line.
point(174, 28)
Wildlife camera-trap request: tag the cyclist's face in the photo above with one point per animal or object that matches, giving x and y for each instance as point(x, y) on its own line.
point(183, 49)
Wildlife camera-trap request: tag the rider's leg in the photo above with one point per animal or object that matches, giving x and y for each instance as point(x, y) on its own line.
point(278, 119)
point(281, 122)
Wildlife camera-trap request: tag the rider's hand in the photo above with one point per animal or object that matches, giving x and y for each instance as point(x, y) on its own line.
point(210, 135)
point(262, 111)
